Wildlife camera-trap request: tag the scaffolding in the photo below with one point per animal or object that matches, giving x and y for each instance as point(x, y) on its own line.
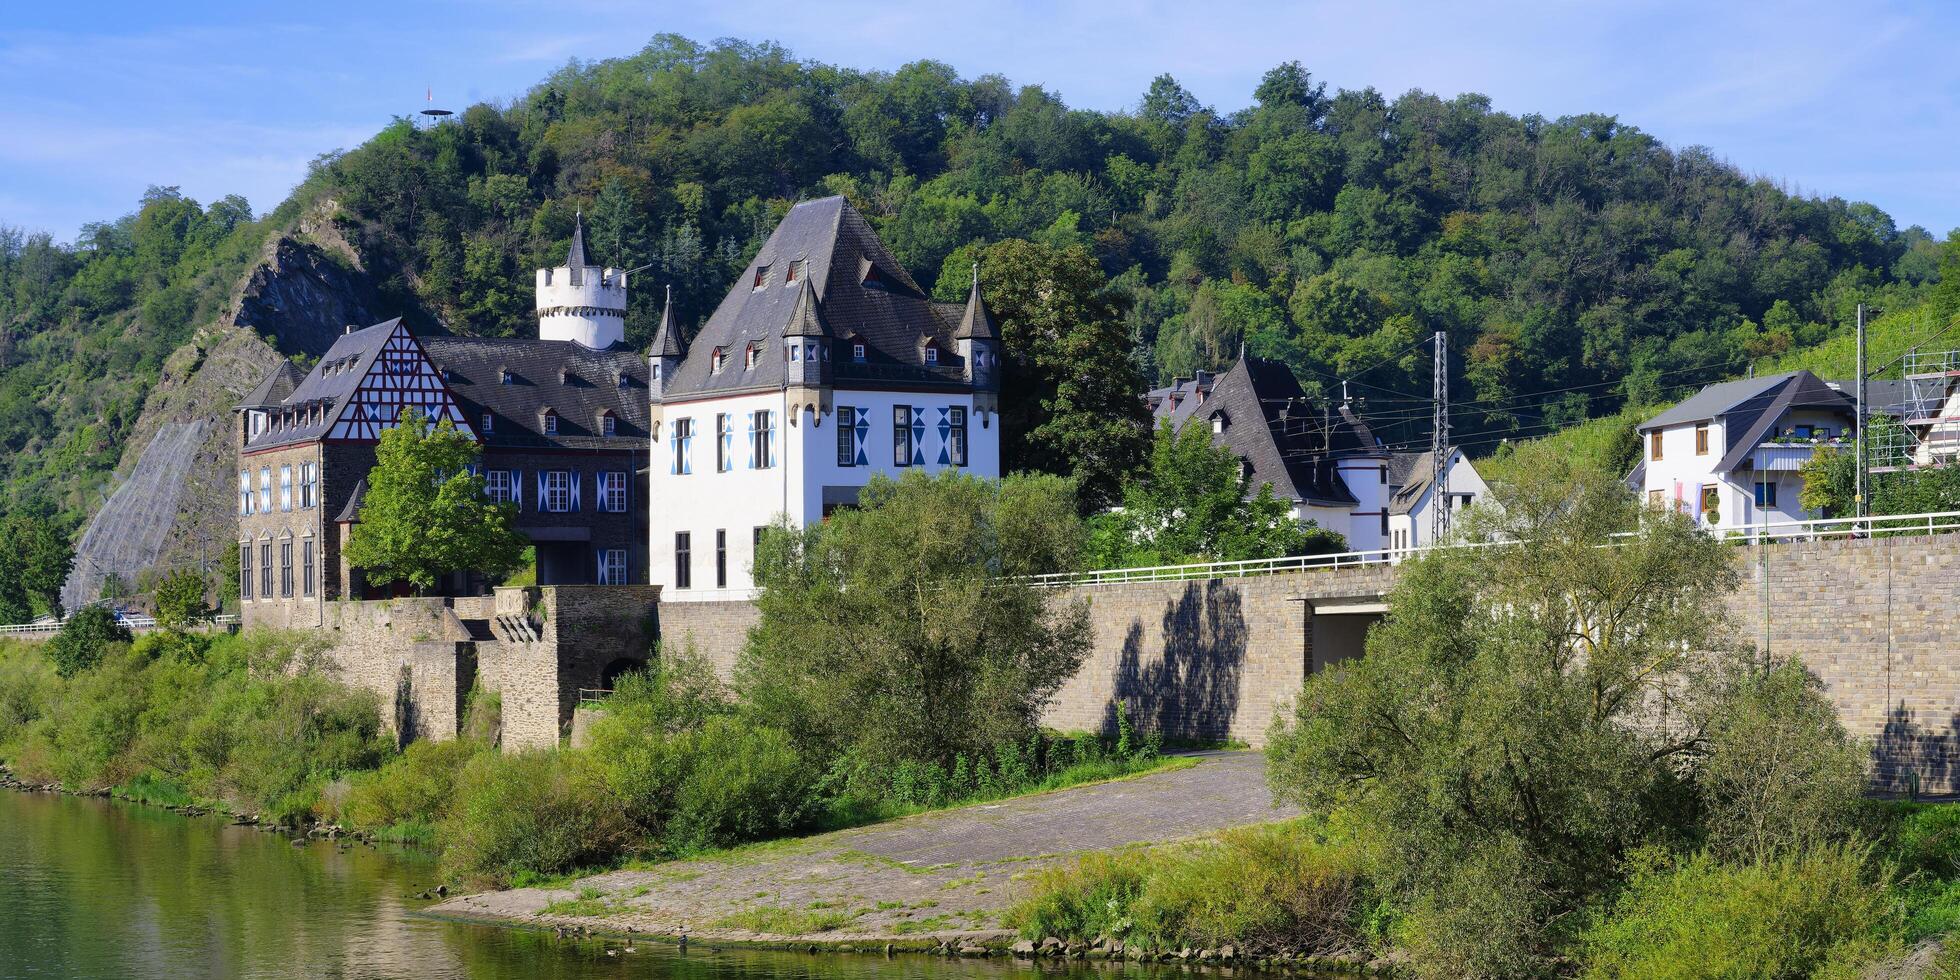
point(1928, 414)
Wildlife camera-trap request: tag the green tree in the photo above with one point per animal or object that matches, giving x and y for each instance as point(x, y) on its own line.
point(898, 630)
point(1069, 397)
point(1196, 502)
point(84, 638)
point(179, 600)
point(34, 562)
point(425, 515)
point(1496, 732)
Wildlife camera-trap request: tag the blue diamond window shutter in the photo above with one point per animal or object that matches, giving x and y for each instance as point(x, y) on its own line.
point(544, 502)
point(517, 488)
point(575, 491)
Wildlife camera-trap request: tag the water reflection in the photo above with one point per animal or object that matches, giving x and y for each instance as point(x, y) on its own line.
point(95, 888)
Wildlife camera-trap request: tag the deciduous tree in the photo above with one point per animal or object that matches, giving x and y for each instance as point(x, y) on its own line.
point(426, 515)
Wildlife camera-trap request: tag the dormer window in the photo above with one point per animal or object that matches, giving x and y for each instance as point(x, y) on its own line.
point(714, 361)
point(624, 382)
point(857, 352)
point(489, 422)
point(1219, 422)
point(932, 355)
point(872, 278)
point(749, 357)
point(608, 425)
point(504, 377)
point(761, 276)
point(448, 376)
point(550, 422)
point(795, 273)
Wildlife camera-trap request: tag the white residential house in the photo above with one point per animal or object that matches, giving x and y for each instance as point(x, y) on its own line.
point(1412, 508)
point(1729, 456)
point(1325, 461)
point(824, 365)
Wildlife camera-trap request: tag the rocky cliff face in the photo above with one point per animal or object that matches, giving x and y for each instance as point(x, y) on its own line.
point(168, 512)
point(306, 291)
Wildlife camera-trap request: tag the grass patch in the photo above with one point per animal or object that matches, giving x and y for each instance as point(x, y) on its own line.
point(775, 920)
point(1290, 887)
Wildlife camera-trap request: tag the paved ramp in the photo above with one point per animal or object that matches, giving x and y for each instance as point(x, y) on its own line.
point(936, 874)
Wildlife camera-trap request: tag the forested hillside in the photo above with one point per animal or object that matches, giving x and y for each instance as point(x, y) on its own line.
point(1576, 264)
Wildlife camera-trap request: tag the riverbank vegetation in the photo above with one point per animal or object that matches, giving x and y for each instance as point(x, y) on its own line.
point(1555, 756)
point(922, 692)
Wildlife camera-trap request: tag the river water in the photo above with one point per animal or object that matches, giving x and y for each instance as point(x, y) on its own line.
point(98, 888)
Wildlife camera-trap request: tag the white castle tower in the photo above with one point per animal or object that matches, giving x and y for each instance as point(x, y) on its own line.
point(580, 301)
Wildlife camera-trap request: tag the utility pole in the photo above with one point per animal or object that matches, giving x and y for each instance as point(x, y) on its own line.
point(1858, 445)
point(1439, 445)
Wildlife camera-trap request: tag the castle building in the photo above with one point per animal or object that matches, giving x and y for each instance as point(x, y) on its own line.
point(824, 365)
point(562, 421)
point(1325, 461)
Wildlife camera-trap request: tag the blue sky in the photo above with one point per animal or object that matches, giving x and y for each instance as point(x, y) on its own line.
point(102, 99)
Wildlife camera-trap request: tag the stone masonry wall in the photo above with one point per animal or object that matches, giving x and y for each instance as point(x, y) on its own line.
point(1202, 660)
point(414, 654)
point(1879, 623)
point(714, 631)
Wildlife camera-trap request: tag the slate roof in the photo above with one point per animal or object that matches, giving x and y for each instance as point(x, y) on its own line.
point(667, 339)
point(331, 382)
point(351, 513)
point(1751, 407)
point(863, 295)
point(1270, 423)
point(578, 383)
point(1716, 399)
point(1177, 400)
point(276, 386)
point(975, 322)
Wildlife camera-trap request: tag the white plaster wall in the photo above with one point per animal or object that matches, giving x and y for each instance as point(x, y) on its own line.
point(1680, 473)
point(1364, 478)
point(1463, 479)
point(600, 288)
point(743, 499)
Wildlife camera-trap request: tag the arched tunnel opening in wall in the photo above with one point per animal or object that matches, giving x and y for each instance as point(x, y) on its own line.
point(1337, 629)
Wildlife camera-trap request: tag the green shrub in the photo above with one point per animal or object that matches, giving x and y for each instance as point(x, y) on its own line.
point(1789, 915)
point(84, 638)
point(1263, 889)
point(414, 788)
point(1781, 772)
point(745, 782)
point(535, 812)
point(28, 687)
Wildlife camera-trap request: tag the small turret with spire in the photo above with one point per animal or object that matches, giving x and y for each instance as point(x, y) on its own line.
point(669, 349)
point(979, 349)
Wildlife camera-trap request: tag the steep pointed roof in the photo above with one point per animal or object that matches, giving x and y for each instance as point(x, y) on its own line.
point(667, 340)
point(806, 320)
point(976, 323)
point(279, 383)
point(1271, 424)
point(862, 293)
point(575, 259)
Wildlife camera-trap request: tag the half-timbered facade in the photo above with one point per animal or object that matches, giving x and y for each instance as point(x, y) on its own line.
point(564, 434)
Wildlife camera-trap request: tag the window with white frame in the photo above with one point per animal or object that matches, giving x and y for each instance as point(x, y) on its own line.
point(902, 435)
point(857, 353)
point(846, 436)
point(550, 422)
point(489, 422)
point(724, 433)
point(956, 435)
point(765, 431)
point(265, 489)
point(500, 486)
point(309, 485)
point(608, 425)
point(683, 443)
point(244, 492)
point(612, 492)
point(612, 566)
point(557, 496)
point(286, 487)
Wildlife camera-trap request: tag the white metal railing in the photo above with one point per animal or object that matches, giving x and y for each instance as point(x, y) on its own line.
point(133, 622)
point(1767, 532)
